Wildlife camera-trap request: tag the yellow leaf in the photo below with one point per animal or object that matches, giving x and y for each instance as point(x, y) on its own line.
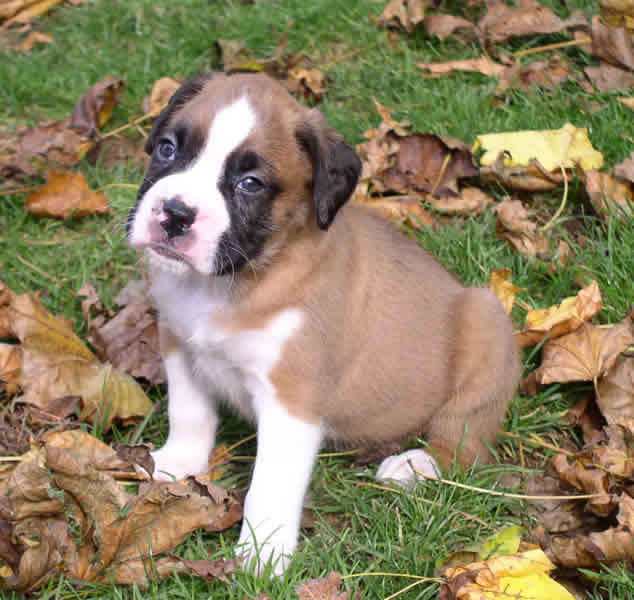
point(506, 541)
point(553, 149)
point(500, 284)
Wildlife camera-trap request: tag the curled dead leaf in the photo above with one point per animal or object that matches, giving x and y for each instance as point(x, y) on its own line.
point(162, 91)
point(561, 319)
point(483, 65)
point(500, 284)
point(87, 526)
point(326, 588)
point(613, 44)
point(66, 195)
point(24, 11)
point(398, 209)
point(615, 391)
point(10, 368)
point(443, 25)
point(94, 108)
point(585, 354)
point(609, 195)
point(514, 224)
point(402, 14)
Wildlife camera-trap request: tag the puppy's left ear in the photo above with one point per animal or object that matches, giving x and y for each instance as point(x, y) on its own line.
point(336, 170)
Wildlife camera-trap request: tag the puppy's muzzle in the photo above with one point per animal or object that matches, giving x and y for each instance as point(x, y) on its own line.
point(178, 217)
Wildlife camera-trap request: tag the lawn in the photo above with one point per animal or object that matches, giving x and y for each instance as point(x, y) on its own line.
point(356, 529)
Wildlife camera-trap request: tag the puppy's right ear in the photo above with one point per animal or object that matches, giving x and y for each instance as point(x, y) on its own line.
point(180, 97)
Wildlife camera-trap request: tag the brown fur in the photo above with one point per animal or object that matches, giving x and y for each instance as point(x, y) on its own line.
point(391, 344)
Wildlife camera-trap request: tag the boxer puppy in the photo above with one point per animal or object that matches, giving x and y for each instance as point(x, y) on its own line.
point(313, 319)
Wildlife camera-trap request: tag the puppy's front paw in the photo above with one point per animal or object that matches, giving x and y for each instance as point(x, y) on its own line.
point(409, 467)
point(269, 547)
point(177, 463)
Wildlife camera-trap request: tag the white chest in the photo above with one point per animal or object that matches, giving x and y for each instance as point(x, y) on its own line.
point(232, 364)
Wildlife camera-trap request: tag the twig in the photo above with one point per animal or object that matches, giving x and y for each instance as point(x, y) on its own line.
point(37, 270)
point(563, 202)
point(424, 501)
point(129, 124)
point(21, 190)
point(538, 442)
point(441, 174)
point(408, 587)
point(505, 494)
point(581, 42)
point(242, 441)
point(388, 574)
point(5, 459)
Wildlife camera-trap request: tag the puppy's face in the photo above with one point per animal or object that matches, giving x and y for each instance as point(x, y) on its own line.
point(237, 167)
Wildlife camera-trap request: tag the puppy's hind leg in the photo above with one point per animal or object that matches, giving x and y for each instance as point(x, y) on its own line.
point(485, 369)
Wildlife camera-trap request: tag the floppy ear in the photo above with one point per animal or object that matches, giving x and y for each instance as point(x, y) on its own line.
point(180, 97)
point(336, 169)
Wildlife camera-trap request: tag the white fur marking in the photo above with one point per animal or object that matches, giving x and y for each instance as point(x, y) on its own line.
point(197, 186)
point(192, 425)
point(287, 447)
point(398, 468)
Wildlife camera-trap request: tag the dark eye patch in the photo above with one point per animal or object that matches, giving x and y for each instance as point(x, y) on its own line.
point(250, 214)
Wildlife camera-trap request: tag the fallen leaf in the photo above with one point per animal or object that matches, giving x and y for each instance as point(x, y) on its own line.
point(137, 454)
point(306, 83)
point(87, 526)
point(469, 201)
point(211, 569)
point(532, 178)
point(514, 224)
point(625, 169)
point(56, 363)
point(615, 390)
point(608, 195)
point(397, 209)
point(520, 575)
point(24, 11)
point(162, 90)
point(503, 21)
point(565, 147)
point(613, 44)
point(32, 39)
point(326, 588)
point(402, 14)
point(585, 354)
point(561, 319)
point(541, 73)
point(607, 77)
point(94, 108)
point(6, 296)
point(10, 368)
point(129, 339)
point(66, 195)
point(500, 284)
point(443, 25)
point(483, 65)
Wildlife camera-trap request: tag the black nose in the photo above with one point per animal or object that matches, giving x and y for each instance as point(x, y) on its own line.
point(180, 217)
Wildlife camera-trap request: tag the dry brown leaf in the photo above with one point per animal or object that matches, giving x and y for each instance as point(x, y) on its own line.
point(66, 195)
point(129, 339)
point(528, 18)
point(514, 224)
point(613, 44)
point(615, 391)
point(625, 169)
point(561, 319)
point(162, 90)
point(585, 354)
point(60, 144)
point(532, 178)
point(326, 588)
point(24, 11)
point(470, 201)
point(542, 73)
point(402, 14)
point(10, 368)
point(483, 65)
point(500, 284)
point(94, 108)
point(56, 363)
point(32, 39)
point(397, 209)
point(608, 195)
point(69, 482)
point(5, 299)
point(308, 84)
point(443, 25)
point(607, 77)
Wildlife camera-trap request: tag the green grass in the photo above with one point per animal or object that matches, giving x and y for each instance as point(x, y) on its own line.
point(359, 528)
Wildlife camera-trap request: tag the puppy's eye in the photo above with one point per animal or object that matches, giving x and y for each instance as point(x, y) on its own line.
point(166, 149)
point(249, 185)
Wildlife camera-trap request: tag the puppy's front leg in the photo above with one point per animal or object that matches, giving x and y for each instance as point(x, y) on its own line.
point(287, 447)
point(192, 419)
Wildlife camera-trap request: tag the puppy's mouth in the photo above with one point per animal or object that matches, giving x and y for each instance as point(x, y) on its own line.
point(167, 251)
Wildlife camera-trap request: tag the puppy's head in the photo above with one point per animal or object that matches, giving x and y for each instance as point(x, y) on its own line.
point(237, 167)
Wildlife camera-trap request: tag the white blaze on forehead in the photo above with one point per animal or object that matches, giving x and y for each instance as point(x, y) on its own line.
point(198, 185)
